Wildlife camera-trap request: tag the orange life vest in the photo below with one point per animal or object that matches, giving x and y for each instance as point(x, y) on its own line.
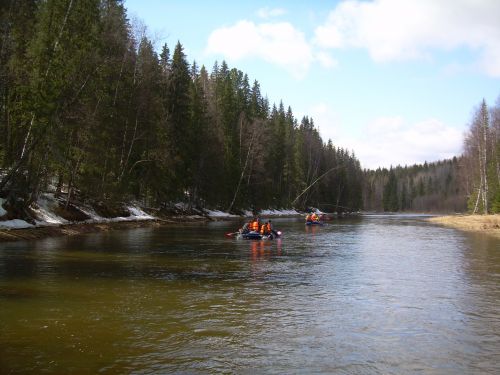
point(265, 228)
point(254, 225)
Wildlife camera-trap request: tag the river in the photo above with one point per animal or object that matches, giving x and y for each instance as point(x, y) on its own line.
point(367, 295)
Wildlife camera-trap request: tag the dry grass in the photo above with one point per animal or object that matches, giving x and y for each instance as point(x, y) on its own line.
point(489, 224)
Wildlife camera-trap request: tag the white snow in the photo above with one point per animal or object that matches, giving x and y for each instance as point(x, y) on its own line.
point(279, 212)
point(15, 224)
point(44, 211)
point(217, 213)
point(2, 210)
point(94, 217)
point(135, 214)
point(138, 214)
point(247, 213)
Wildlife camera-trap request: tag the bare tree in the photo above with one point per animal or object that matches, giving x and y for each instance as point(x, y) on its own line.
point(476, 150)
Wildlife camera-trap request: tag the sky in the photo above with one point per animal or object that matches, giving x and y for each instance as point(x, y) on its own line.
point(394, 81)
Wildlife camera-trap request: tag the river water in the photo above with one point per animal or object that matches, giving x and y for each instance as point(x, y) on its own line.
point(369, 295)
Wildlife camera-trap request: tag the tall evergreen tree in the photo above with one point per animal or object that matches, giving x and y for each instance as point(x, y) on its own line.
point(178, 113)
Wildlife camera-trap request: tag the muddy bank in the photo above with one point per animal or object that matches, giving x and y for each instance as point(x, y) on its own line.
point(487, 224)
point(83, 228)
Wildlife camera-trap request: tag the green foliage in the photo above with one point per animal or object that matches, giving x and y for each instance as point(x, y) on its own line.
point(495, 206)
point(391, 200)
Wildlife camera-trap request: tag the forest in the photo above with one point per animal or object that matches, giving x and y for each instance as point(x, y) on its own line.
point(91, 112)
point(467, 183)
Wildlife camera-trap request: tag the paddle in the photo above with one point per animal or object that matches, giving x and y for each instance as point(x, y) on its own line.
point(232, 234)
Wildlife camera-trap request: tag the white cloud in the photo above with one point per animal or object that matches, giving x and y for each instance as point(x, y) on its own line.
point(388, 141)
point(326, 60)
point(267, 12)
point(278, 43)
point(412, 29)
point(326, 119)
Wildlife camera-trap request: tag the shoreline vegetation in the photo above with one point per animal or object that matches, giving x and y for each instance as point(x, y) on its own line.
point(487, 224)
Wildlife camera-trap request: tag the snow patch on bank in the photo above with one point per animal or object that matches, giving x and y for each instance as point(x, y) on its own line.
point(43, 211)
point(136, 214)
point(94, 217)
point(279, 212)
point(247, 213)
point(139, 214)
point(218, 214)
point(15, 224)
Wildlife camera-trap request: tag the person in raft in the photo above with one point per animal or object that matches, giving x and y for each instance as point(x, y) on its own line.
point(312, 217)
point(252, 226)
point(267, 229)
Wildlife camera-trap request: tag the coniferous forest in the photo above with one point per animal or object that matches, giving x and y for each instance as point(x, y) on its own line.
point(90, 111)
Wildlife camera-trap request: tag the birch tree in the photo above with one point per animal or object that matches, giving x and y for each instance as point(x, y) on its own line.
point(476, 149)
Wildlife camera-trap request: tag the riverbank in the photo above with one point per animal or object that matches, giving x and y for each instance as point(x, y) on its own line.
point(72, 229)
point(49, 223)
point(487, 224)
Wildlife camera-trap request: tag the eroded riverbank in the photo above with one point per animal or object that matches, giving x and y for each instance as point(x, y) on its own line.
point(73, 229)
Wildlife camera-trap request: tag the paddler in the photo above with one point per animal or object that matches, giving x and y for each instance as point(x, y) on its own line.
point(265, 229)
point(254, 225)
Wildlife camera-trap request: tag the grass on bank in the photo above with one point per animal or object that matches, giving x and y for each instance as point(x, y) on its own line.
point(474, 223)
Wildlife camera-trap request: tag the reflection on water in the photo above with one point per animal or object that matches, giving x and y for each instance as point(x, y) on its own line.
point(378, 294)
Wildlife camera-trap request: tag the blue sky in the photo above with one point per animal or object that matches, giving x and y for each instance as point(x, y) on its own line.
point(396, 81)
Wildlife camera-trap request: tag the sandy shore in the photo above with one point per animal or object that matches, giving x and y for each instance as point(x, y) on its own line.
point(488, 224)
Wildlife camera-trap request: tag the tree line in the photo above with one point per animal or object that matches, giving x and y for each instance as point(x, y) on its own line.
point(90, 111)
point(470, 182)
point(431, 187)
